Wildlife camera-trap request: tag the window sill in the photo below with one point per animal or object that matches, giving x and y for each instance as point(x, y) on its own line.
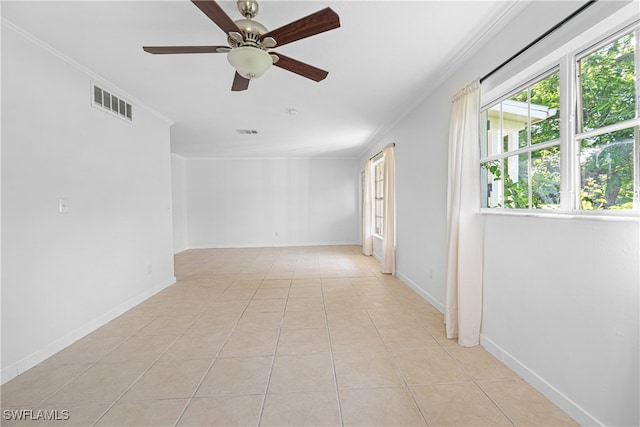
point(589, 216)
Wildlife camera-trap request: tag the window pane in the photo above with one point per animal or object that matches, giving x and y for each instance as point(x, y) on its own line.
point(485, 126)
point(545, 178)
point(607, 82)
point(379, 226)
point(515, 121)
point(379, 207)
point(606, 171)
point(516, 181)
point(379, 189)
point(379, 171)
point(545, 109)
point(491, 184)
point(123, 107)
point(491, 119)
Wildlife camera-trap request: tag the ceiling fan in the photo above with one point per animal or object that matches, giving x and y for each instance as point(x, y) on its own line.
point(250, 41)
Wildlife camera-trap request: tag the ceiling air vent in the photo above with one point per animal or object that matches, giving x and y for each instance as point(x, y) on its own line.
point(108, 101)
point(247, 131)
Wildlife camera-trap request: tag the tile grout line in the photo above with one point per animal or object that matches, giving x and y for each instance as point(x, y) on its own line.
point(395, 362)
point(475, 382)
point(153, 362)
point(130, 386)
point(215, 357)
point(333, 360)
point(90, 365)
point(273, 360)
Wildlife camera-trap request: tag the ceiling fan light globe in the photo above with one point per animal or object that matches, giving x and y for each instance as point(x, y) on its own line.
point(249, 62)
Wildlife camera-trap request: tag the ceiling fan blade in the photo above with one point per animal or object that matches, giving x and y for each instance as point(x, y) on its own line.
point(239, 83)
point(316, 23)
point(300, 68)
point(160, 50)
point(217, 15)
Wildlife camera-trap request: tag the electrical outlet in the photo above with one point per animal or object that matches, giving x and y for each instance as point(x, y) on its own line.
point(63, 206)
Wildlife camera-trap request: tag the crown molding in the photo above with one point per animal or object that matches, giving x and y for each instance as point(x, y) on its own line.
point(455, 61)
point(92, 75)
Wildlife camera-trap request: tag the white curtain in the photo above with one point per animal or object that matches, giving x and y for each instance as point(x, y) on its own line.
point(463, 304)
point(367, 214)
point(389, 224)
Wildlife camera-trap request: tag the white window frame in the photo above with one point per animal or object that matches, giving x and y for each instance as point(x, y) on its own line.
point(565, 61)
point(374, 166)
point(576, 137)
point(530, 148)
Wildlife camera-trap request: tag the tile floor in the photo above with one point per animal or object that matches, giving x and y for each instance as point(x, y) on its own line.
point(274, 337)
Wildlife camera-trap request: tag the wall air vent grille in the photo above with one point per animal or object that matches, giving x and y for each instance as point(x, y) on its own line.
point(107, 101)
point(247, 131)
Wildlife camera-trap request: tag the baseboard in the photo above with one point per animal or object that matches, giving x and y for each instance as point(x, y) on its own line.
point(559, 399)
point(427, 296)
point(554, 395)
point(272, 245)
point(52, 348)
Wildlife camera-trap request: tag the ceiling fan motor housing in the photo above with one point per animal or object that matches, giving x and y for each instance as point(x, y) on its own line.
point(251, 30)
point(250, 41)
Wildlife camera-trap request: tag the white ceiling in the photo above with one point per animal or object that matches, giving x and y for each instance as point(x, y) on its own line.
point(381, 61)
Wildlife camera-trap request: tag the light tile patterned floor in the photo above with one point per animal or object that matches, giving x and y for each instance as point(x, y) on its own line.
point(278, 336)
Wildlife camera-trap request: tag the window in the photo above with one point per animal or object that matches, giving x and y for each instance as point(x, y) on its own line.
point(533, 158)
point(607, 125)
point(378, 175)
point(521, 148)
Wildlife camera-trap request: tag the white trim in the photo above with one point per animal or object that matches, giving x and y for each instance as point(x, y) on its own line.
point(52, 348)
point(190, 157)
point(527, 149)
point(94, 76)
point(474, 44)
point(536, 381)
point(557, 214)
point(427, 296)
point(273, 245)
point(627, 124)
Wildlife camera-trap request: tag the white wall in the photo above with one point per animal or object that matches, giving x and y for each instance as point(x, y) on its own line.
point(561, 296)
point(272, 202)
point(66, 274)
point(561, 303)
point(179, 198)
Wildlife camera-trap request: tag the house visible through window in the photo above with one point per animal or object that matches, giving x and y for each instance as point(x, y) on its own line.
point(521, 148)
point(378, 195)
point(534, 157)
